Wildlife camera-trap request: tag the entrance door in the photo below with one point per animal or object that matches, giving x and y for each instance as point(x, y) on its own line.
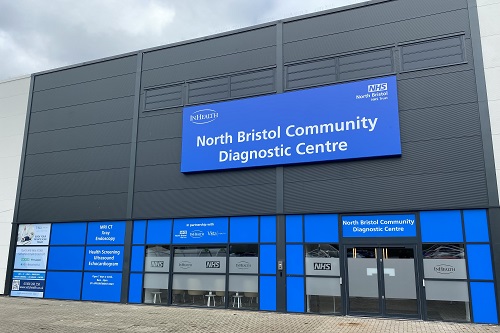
point(381, 281)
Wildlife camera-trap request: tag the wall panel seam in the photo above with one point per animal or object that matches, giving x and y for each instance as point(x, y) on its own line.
point(82, 82)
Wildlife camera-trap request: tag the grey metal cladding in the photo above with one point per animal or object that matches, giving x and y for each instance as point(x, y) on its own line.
point(169, 177)
point(213, 201)
point(90, 72)
point(212, 47)
point(208, 90)
point(432, 53)
point(117, 132)
point(393, 193)
point(87, 159)
point(430, 91)
point(443, 156)
point(365, 17)
point(311, 73)
point(78, 208)
point(166, 126)
point(365, 64)
point(81, 115)
point(86, 92)
point(74, 184)
point(254, 83)
point(147, 152)
point(205, 68)
point(163, 97)
point(376, 36)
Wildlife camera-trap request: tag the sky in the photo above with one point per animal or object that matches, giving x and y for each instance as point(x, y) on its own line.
point(37, 35)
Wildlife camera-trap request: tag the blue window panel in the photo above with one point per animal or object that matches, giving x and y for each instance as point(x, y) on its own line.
point(139, 234)
point(268, 229)
point(137, 262)
point(476, 225)
point(109, 233)
point(321, 228)
point(295, 294)
point(63, 285)
point(267, 293)
point(66, 258)
point(295, 259)
point(135, 288)
point(244, 229)
point(479, 261)
point(484, 307)
point(68, 233)
point(294, 228)
point(101, 286)
point(267, 258)
point(201, 231)
point(441, 226)
point(104, 258)
point(159, 232)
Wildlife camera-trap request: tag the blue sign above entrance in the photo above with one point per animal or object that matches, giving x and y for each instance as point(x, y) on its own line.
point(199, 231)
point(343, 121)
point(379, 226)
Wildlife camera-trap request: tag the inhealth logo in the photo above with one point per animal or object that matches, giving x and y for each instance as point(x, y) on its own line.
point(204, 116)
point(377, 87)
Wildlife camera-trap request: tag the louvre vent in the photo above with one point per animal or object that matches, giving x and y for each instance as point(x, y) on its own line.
point(435, 53)
point(164, 97)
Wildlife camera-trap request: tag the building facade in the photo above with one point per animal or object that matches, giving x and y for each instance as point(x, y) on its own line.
point(341, 162)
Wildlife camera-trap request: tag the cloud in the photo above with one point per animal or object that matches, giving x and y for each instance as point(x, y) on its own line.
point(41, 35)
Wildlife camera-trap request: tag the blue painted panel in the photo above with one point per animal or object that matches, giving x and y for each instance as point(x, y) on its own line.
point(267, 293)
point(295, 259)
point(110, 233)
point(322, 228)
point(267, 259)
point(344, 121)
point(66, 258)
point(139, 234)
point(200, 231)
point(479, 261)
point(441, 226)
point(135, 288)
point(63, 285)
point(379, 226)
point(268, 229)
point(159, 232)
point(68, 233)
point(244, 229)
point(294, 228)
point(476, 225)
point(137, 262)
point(484, 306)
point(104, 258)
point(105, 287)
point(295, 294)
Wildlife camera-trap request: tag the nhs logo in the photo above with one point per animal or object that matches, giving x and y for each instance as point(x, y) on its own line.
point(377, 87)
point(322, 266)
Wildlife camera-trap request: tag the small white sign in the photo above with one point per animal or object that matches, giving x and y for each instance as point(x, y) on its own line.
point(33, 234)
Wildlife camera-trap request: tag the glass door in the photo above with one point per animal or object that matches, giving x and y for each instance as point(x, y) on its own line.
point(381, 281)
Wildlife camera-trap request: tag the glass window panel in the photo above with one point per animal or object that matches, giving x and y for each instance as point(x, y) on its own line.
point(202, 290)
point(243, 259)
point(157, 258)
point(244, 291)
point(200, 259)
point(444, 261)
point(322, 259)
point(156, 288)
point(323, 295)
point(447, 300)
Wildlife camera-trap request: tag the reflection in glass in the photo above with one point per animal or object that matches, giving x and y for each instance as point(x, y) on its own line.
point(243, 259)
point(323, 295)
point(201, 290)
point(244, 292)
point(322, 259)
point(157, 258)
point(156, 288)
point(447, 300)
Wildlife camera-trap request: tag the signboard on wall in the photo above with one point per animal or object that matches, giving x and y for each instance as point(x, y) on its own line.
point(379, 226)
point(33, 234)
point(104, 258)
point(31, 257)
point(342, 121)
point(104, 287)
point(106, 233)
point(200, 231)
point(28, 284)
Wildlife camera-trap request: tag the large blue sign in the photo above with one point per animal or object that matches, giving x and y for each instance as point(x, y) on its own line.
point(104, 287)
point(379, 226)
point(200, 231)
point(343, 121)
point(104, 258)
